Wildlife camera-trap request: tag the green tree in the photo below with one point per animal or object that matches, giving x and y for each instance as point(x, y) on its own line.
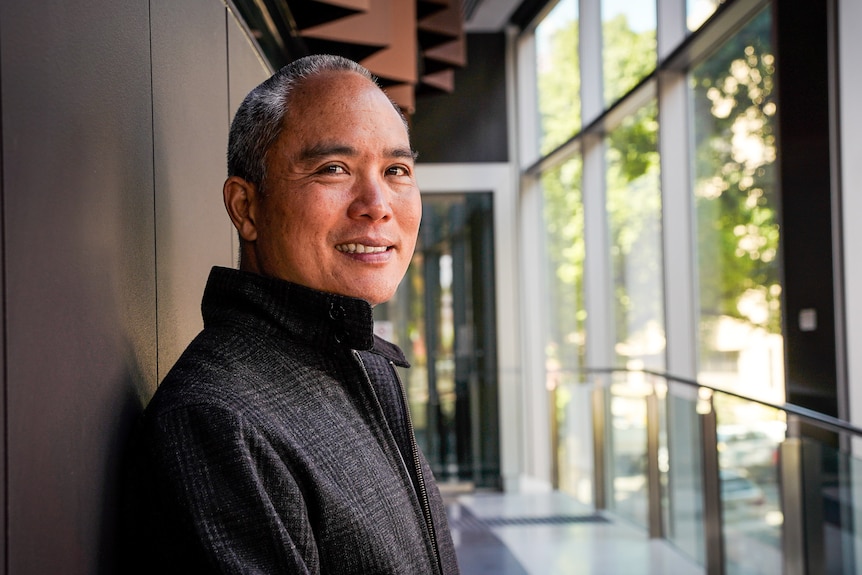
point(628, 56)
point(634, 214)
point(563, 215)
point(559, 84)
point(735, 192)
point(633, 194)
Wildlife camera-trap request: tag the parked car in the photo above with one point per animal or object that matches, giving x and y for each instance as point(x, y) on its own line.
point(738, 491)
point(750, 448)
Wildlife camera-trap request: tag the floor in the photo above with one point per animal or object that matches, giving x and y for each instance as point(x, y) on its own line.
point(552, 534)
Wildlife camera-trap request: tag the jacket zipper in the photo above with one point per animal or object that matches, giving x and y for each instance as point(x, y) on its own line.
point(423, 496)
point(424, 501)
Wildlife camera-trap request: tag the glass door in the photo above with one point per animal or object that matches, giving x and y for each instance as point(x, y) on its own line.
point(443, 318)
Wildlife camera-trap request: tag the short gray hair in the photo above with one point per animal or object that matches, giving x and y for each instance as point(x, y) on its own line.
point(260, 118)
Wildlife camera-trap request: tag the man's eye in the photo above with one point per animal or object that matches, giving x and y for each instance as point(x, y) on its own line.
point(397, 171)
point(333, 169)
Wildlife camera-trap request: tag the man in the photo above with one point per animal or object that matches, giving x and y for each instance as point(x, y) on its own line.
point(280, 442)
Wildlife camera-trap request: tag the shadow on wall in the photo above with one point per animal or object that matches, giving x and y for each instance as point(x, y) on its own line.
point(115, 550)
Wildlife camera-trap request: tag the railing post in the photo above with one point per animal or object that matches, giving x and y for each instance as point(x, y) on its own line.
point(656, 524)
point(712, 514)
point(793, 529)
point(811, 472)
point(555, 437)
point(801, 502)
point(599, 477)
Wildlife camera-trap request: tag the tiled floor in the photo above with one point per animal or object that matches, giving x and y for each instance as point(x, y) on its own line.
point(551, 534)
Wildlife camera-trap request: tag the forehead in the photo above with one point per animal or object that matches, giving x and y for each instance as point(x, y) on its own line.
point(339, 99)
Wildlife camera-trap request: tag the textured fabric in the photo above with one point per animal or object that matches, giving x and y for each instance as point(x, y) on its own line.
point(280, 443)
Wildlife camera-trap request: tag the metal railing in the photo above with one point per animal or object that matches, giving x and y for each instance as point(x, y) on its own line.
point(755, 502)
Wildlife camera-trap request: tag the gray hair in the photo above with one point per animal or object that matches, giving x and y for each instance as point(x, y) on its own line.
point(260, 118)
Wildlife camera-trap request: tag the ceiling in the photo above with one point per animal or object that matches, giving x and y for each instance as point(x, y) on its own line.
point(409, 61)
point(491, 15)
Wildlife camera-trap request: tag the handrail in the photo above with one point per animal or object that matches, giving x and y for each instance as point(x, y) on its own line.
point(820, 419)
point(797, 478)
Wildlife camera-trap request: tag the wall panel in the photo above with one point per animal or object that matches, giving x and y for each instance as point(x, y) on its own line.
point(246, 69)
point(190, 126)
point(79, 270)
point(476, 111)
point(114, 128)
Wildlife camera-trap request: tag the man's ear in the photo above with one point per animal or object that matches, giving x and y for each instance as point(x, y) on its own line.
point(240, 200)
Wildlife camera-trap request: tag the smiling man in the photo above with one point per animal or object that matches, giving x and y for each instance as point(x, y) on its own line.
point(281, 441)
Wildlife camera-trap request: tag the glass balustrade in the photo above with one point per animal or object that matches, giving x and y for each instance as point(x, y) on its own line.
point(742, 486)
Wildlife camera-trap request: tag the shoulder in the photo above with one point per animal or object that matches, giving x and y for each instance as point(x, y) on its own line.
point(249, 374)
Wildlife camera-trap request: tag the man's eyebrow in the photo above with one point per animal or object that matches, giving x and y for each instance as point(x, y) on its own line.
point(405, 153)
point(319, 152)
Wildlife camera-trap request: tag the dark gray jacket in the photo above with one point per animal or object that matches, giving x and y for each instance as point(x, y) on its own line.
point(280, 443)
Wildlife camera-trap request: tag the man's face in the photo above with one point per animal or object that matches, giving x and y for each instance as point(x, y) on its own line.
point(340, 207)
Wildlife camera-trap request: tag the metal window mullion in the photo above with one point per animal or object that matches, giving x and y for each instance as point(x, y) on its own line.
point(597, 282)
point(680, 272)
point(597, 258)
point(590, 52)
point(597, 272)
point(849, 75)
point(850, 86)
point(671, 26)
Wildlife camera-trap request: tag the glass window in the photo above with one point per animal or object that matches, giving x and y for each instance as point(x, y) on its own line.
point(559, 79)
point(627, 447)
point(563, 306)
point(699, 11)
point(564, 261)
point(749, 438)
point(736, 204)
point(628, 45)
point(634, 223)
point(685, 525)
point(442, 317)
point(572, 401)
point(633, 204)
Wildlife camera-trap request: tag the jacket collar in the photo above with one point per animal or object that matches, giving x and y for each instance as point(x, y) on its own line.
point(286, 310)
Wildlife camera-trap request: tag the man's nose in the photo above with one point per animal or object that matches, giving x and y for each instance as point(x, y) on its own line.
point(371, 198)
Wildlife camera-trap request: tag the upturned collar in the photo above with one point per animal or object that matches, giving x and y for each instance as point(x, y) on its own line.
point(286, 310)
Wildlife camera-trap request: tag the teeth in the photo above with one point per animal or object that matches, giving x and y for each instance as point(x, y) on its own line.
point(360, 249)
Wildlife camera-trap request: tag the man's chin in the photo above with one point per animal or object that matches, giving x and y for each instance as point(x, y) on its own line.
point(373, 296)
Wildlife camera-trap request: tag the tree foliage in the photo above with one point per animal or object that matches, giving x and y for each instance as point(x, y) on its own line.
point(735, 190)
point(559, 84)
point(634, 214)
point(734, 183)
point(633, 161)
point(627, 56)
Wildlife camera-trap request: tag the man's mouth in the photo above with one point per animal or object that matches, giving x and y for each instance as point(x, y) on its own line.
point(360, 249)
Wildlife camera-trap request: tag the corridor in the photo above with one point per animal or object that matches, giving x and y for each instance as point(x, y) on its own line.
point(552, 534)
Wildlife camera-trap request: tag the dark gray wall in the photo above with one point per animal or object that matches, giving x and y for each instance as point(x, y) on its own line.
point(468, 125)
point(114, 124)
point(802, 48)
